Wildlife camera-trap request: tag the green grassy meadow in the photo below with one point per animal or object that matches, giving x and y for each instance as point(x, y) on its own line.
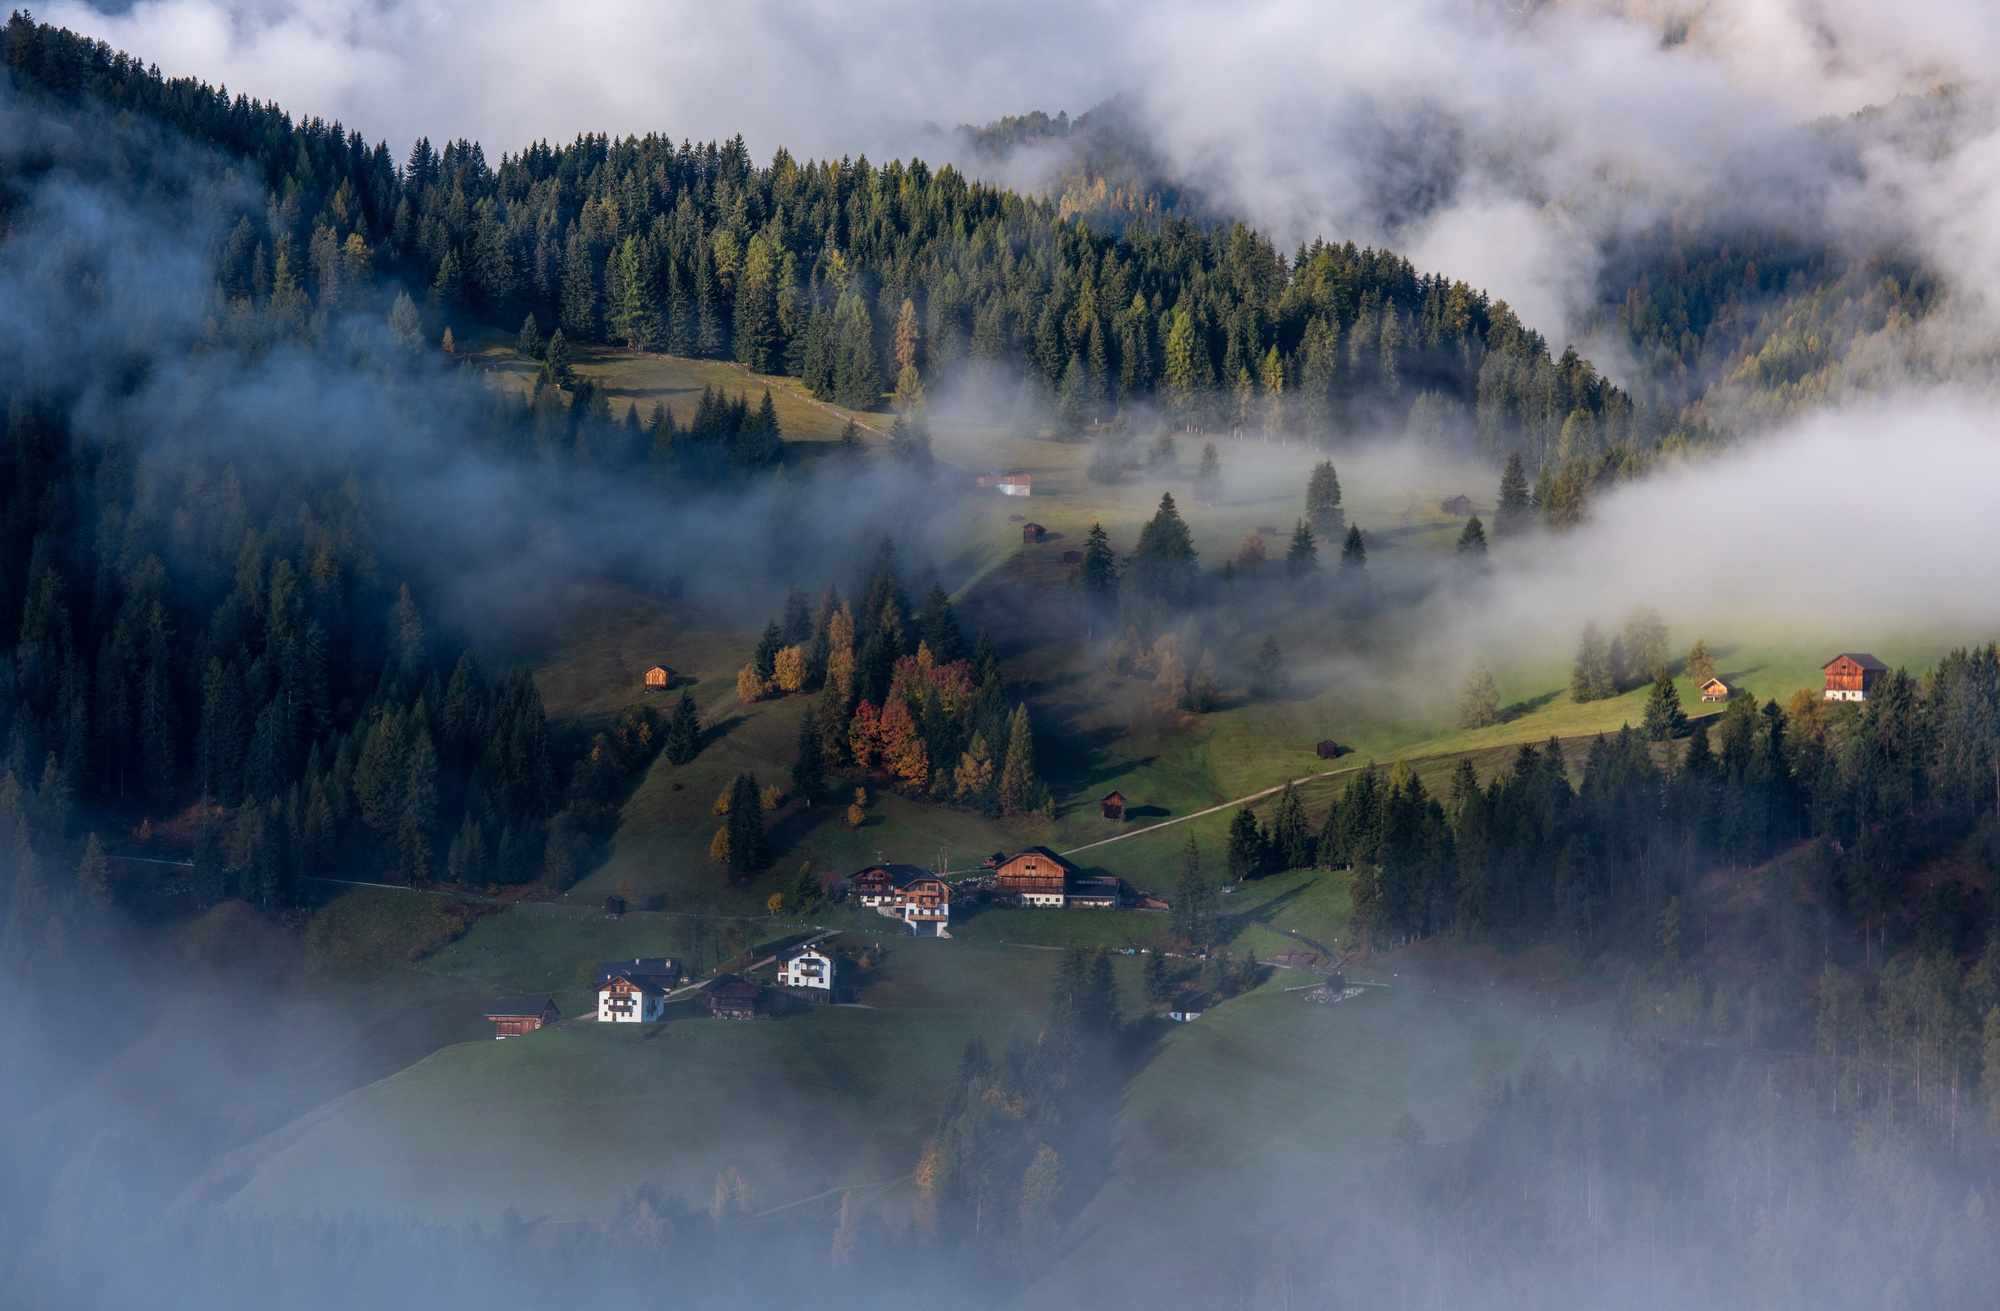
point(1262, 1105)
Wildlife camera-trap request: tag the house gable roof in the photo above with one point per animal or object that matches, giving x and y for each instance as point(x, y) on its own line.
point(1045, 854)
point(1714, 682)
point(1867, 662)
point(641, 985)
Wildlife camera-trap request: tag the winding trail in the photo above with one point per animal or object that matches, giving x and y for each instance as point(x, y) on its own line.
point(1182, 819)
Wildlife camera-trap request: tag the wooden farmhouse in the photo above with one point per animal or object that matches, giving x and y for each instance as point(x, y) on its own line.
point(514, 1016)
point(659, 678)
point(1456, 506)
point(1716, 690)
point(730, 997)
point(807, 968)
point(909, 893)
point(1851, 676)
point(1189, 1006)
point(1113, 805)
point(1032, 533)
point(1017, 484)
point(1036, 877)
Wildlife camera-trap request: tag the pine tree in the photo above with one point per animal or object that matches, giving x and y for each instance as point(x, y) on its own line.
point(1472, 541)
point(1099, 576)
point(1160, 579)
point(1354, 551)
point(1208, 478)
point(798, 620)
point(1323, 510)
point(937, 627)
point(561, 371)
point(1646, 650)
point(1245, 856)
point(1193, 911)
point(93, 873)
point(809, 768)
point(1159, 988)
point(745, 827)
point(1590, 678)
point(1302, 557)
point(1516, 511)
point(1291, 839)
point(1269, 680)
point(1021, 790)
point(851, 447)
point(683, 738)
point(416, 828)
point(765, 661)
point(529, 340)
point(1479, 704)
point(1664, 717)
point(406, 325)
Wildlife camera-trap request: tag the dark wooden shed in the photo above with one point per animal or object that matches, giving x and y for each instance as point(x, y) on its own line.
point(1113, 805)
point(1032, 533)
point(614, 906)
point(1072, 557)
point(514, 1016)
point(1328, 749)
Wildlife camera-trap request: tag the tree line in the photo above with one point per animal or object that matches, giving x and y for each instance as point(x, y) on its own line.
point(862, 278)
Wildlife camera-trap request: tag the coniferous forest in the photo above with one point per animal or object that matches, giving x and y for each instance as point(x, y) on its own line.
point(274, 565)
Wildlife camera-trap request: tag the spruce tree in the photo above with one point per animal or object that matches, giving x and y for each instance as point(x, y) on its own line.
point(798, 621)
point(93, 873)
point(1515, 510)
point(1590, 678)
point(1664, 717)
point(684, 731)
point(809, 768)
point(1246, 846)
point(745, 827)
point(561, 371)
point(851, 447)
point(1098, 575)
point(1479, 704)
point(1021, 790)
point(1323, 510)
point(1472, 541)
point(1269, 680)
point(937, 627)
point(1160, 579)
point(1193, 911)
point(1291, 839)
point(406, 325)
point(765, 660)
point(1302, 557)
point(1208, 478)
point(529, 341)
point(1354, 551)
point(1159, 988)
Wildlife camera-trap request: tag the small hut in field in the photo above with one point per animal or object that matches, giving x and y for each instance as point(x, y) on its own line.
point(659, 678)
point(1031, 533)
point(1113, 805)
point(1716, 690)
point(1456, 506)
point(1328, 749)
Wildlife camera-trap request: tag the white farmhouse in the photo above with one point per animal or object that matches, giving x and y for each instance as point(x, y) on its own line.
point(807, 967)
point(635, 991)
point(630, 1001)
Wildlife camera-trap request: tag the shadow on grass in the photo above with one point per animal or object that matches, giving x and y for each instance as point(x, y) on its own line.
point(1509, 714)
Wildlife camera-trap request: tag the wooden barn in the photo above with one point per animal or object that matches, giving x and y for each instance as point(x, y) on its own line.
point(1851, 676)
point(1035, 877)
point(1716, 690)
point(514, 1016)
point(614, 907)
point(659, 678)
point(1328, 749)
point(1457, 506)
point(730, 997)
point(1032, 533)
point(1113, 805)
point(1072, 557)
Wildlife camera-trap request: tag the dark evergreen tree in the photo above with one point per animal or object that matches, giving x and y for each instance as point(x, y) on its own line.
point(1516, 510)
point(746, 827)
point(1323, 510)
point(1269, 679)
point(1354, 551)
point(684, 732)
point(1664, 717)
point(1098, 575)
point(1302, 556)
point(529, 340)
point(1472, 541)
point(1208, 477)
point(809, 767)
point(937, 627)
point(1246, 855)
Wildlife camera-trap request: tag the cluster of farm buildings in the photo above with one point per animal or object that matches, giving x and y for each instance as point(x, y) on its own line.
point(637, 991)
